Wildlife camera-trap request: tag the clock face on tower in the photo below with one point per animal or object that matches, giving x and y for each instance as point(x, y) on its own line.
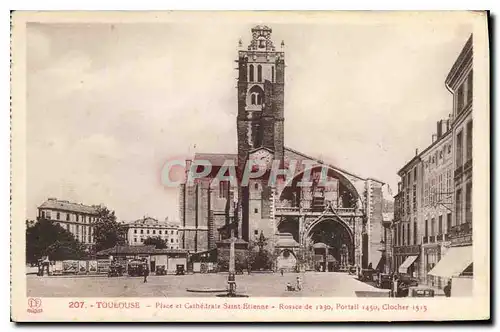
point(263, 156)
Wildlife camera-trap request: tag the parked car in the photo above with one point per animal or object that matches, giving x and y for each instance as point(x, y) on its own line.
point(180, 270)
point(136, 268)
point(161, 270)
point(115, 270)
point(384, 280)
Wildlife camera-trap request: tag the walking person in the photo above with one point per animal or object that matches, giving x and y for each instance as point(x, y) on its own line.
point(146, 273)
point(282, 272)
point(447, 289)
point(299, 283)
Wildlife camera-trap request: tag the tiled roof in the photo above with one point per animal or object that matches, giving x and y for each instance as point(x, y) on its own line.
point(56, 204)
point(217, 159)
point(149, 221)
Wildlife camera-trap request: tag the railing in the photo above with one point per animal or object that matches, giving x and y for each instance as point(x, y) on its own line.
point(297, 210)
point(458, 172)
point(461, 230)
point(468, 166)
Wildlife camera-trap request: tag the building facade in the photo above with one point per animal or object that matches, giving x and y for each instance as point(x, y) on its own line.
point(139, 230)
point(76, 218)
point(407, 229)
point(435, 193)
point(345, 215)
point(437, 202)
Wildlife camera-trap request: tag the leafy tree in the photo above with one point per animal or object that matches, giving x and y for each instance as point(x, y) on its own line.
point(259, 256)
point(107, 231)
point(157, 241)
point(44, 238)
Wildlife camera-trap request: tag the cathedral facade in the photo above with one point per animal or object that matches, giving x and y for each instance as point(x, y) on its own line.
point(325, 225)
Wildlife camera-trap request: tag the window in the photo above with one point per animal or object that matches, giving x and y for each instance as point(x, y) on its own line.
point(77, 217)
point(250, 73)
point(408, 237)
point(135, 231)
point(468, 202)
point(67, 216)
point(272, 74)
point(142, 240)
point(58, 215)
point(171, 240)
point(256, 210)
point(43, 214)
point(142, 231)
point(469, 87)
point(460, 99)
point(90, 239)
point(135, 239)
point(426, 228)
point(147, 232)
point(256, 232)
point(159, 232)
point(83, 219)
point(458, 207)
point(449, 148)
point(259, 73)
point(47, 214)
point(252, 99)
point(433, 226)
point(154, 231)
point(223, 189)
point(469, 141)
point(448, 222)
point(415, 232)
point(414, 174)
point(459, 160)
point(440, 225)
point(67, 227)
point(171, 232)
point(256, 185)
point(396, 235)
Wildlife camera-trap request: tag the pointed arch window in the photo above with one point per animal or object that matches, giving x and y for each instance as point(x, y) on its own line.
point(250, 73)
point(253, 98)
point(272, 74)
point(259, 73)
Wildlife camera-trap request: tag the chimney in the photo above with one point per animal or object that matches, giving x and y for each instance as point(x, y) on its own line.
point(416, 152)
point(439, 129)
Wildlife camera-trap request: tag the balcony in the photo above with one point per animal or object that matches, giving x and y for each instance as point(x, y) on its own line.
point(458, 172)
point(443, 237)
point(468, 166)
point(461, 234)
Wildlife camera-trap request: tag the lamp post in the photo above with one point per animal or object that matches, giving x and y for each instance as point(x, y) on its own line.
point(231, 279)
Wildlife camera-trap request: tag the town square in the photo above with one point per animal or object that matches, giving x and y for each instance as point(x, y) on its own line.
point(268, 160)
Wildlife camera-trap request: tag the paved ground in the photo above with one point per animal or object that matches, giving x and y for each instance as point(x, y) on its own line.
point(273, 285)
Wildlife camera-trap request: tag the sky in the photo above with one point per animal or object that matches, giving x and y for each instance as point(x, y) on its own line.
point(108, 104)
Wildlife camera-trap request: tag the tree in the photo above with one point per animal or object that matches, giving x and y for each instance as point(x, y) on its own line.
point(44, 238)
point(259, 256)
point(156, 241)
point(107, 231)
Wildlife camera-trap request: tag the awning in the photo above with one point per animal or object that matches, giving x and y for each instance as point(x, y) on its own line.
point(375, 258)
point(454, 262)
point(403, 268)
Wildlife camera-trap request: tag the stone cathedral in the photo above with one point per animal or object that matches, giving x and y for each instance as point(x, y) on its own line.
point(323, 227)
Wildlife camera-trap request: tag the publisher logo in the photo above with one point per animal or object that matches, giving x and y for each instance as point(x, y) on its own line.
point(35, 305)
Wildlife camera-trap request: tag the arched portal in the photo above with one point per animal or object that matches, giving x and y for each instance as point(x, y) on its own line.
point(332, 244)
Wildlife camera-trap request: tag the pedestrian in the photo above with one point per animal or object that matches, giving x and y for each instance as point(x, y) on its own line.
point(282, 272)
point(146, 273)
point(447, 289)
point(299, 283)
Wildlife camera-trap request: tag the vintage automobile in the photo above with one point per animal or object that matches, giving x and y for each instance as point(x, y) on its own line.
point(408, 280)
point(384, 281)
point(161, 270)
point(422, 292)
point(367, 275)
point(115, 270)
point(180, 270)
point(136, 268)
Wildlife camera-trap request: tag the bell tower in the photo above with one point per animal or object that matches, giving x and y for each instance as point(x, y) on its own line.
point(260, 125)
point(260, 96)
